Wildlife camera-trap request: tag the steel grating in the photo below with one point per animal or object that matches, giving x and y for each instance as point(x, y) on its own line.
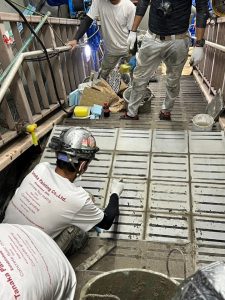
point(170, 141)
point(167, 228)
point(169, 167)
point(134, 195)
point(131, 139)
point(207, 254)
point(105, 138)
point(128, 227)
point(95, 186)
point(208, 199)
point(131, 165)
point(210, 230)
point(207, 142)
point(169, 197)
point(174, 184)
point(207, 168)
point(101, 167)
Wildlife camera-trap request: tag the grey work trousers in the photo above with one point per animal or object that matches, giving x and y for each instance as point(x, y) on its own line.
point(153, 51)
point(109, 62)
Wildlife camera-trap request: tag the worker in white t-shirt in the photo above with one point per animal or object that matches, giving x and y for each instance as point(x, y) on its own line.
point(116, 18)
point(48, 199)
point(32, 267)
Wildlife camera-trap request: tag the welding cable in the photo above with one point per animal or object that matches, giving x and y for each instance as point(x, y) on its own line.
point(45, 52)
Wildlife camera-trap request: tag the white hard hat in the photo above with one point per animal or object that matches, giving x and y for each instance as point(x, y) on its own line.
point(76, 142)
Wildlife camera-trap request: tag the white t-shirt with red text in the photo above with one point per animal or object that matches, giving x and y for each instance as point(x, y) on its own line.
point(32, 267)
point(51, 202)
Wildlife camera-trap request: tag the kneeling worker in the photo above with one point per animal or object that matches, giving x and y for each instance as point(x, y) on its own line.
point(48, 199)
point(32, 266)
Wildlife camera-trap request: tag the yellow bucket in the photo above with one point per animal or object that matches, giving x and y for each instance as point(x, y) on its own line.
point(81, 111)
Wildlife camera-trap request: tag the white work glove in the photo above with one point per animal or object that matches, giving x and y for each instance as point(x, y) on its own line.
point(197, 56)
point(131, 39)
point(117, 187)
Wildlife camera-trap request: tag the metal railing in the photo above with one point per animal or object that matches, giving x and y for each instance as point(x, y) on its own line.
point(27, 92)
point(211, 71)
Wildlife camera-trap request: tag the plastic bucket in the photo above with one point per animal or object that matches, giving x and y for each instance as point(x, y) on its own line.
point(130, 284)
point(202, 122)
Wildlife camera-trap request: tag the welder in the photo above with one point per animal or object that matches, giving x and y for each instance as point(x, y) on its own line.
point(167, 41)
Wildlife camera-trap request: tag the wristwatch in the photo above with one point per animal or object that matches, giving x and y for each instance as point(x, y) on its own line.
point(200, 43)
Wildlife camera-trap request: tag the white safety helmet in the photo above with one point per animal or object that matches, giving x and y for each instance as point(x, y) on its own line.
point(74, 144)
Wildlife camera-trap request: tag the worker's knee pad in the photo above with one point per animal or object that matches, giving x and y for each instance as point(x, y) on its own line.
point(71, 239)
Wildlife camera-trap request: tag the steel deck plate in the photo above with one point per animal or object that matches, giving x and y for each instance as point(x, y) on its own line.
point(210, 230)
point(173, 177)
point(208, 168)
point(105, 138)
point(130, 140)
point(134, 195)
point(95, 186)
point(167, 228)
point(207, 142)
point(101, 167)
point(208, 198)
point(129, 227)
point(131, 165)
point(169, 167)
point(169, 197)
point(170, 141)
point(207, 254)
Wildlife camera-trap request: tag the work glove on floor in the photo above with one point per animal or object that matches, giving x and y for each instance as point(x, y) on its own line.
point(131, 40)
point(197, 56)
point(117, 187)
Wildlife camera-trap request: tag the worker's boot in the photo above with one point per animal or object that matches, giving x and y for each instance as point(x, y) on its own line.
point(165, 115)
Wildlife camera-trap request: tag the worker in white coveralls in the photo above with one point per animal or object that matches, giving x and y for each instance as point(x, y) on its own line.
point(166, 40)
point(32, 266)
point(116, 18)
point(48, 199)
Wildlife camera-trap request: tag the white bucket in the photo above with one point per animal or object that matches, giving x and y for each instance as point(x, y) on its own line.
point(202, 122)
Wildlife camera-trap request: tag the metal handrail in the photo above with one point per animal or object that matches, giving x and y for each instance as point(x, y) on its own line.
point(25, 45)
point(8, 79)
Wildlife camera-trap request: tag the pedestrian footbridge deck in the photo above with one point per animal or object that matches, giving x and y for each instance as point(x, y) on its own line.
point(174, 193)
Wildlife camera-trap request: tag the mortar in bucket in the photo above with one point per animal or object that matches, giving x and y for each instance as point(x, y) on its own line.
point(129, 284)
point(202, 122)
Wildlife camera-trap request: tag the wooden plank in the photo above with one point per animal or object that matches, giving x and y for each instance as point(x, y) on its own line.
point(16, 87)
point(62, 58)
point(50, 42)
point(68, 56)
point(26, 70)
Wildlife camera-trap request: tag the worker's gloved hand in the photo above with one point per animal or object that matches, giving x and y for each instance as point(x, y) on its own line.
point(72, 43)
point(197, 56)
point(117, 187)
point(131, 39)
